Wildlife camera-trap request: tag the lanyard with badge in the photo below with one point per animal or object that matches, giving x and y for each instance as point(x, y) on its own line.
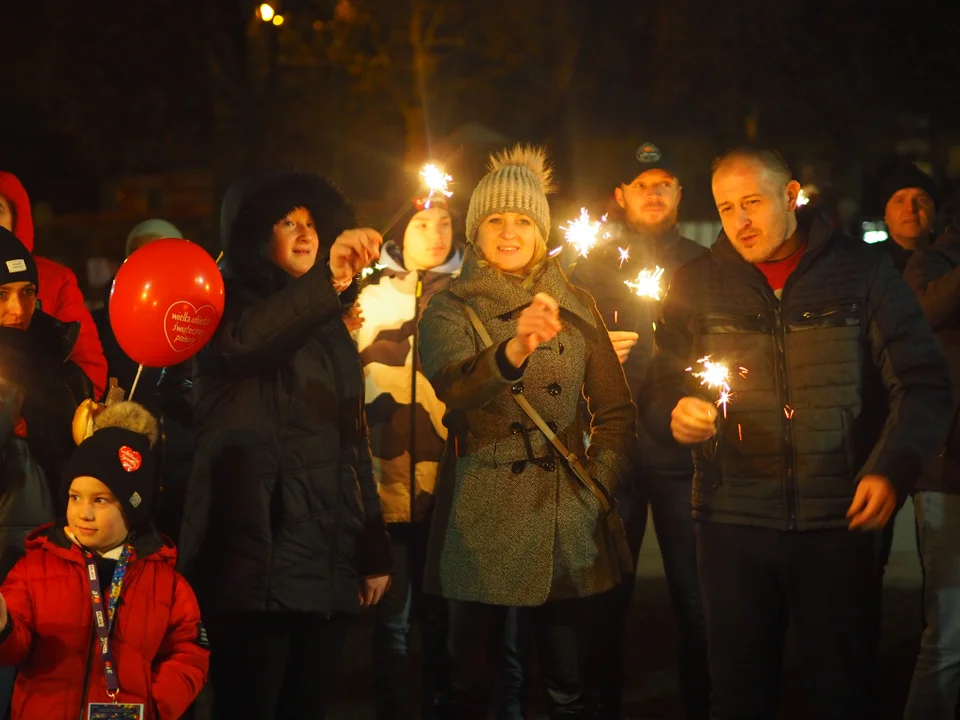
point(103, 625)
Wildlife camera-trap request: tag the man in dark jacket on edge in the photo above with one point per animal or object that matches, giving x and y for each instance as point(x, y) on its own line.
point(793, 481)
point(649, 192)
point(934, 274)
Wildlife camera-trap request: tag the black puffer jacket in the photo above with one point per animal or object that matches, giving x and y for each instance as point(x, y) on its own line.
point(282, 512)
point(934, 274)
point(807, 421)
point(33, 453)
point(603, 275)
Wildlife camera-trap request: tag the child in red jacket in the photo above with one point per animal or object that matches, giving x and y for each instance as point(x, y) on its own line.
point(95, 616)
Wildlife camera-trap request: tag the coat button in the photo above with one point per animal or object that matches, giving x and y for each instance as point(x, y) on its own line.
point(560, 347)
point(554, 389)
point(518, 467)
point(548, 465)
point(553, 426)
point(517, 388)
point(516, 428)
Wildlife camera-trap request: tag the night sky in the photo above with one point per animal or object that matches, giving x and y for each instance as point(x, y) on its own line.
point(98, 90)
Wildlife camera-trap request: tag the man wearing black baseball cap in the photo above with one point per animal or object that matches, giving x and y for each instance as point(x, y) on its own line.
point(646, 241)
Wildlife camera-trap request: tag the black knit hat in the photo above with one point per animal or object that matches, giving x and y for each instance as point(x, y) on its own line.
point(640, 158)
point(906, 175)
point(16, 262)
point(122, 460)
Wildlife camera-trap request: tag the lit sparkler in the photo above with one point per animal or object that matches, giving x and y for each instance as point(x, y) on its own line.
point(583, 232)
point(715, 375)
point(368, 271)
point(624, 254)
point(436, 181)
point(647, 283)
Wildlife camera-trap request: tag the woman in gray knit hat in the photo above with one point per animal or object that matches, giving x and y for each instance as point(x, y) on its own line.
point(513, 525)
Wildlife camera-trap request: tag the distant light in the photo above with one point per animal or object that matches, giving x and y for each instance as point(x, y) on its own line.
point(266, 12)
point(278, 20)
point(802, 198)
point(318, 25)
point(875, 236)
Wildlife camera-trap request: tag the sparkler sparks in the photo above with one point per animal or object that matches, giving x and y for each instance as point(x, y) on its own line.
point(583, 232)
point(368, 271)
point(647, 283)
point(624, 254)
point(436, 182)
point(715, 375)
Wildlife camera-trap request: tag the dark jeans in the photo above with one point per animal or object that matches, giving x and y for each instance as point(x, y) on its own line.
point(755, 582)
point(476, 633)
point(608, 620)
point(404, 601)
point(674, 525)
point(266, 666)
point(886, 543)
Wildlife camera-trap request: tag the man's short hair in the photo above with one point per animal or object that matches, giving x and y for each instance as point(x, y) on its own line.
point(769, 159)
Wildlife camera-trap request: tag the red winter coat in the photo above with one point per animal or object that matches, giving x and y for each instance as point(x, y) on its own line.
point(156, 637)
point(59, 293)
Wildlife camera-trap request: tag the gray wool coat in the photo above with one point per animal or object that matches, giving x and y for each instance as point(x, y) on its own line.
point(512, 525)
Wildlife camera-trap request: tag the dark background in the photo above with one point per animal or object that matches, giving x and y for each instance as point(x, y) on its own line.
point(114, 111)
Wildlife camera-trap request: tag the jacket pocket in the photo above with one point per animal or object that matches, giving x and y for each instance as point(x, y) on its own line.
point(849, 314)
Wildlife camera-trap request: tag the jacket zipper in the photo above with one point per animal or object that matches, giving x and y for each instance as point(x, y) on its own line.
point(834, 310)
point(789, 474)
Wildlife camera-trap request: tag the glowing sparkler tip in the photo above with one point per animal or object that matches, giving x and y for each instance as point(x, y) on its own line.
point(647, 283)
point(715, 375)
point(624, 254)
point(436, 180)
point(368, 271)
point(583, 232)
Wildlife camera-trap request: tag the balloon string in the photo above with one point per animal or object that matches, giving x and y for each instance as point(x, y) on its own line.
point(135, 381)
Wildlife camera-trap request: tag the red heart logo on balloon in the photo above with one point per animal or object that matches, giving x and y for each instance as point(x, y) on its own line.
point(185, 325)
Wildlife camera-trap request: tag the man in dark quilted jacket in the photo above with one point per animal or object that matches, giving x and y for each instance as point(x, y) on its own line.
point(798, 472)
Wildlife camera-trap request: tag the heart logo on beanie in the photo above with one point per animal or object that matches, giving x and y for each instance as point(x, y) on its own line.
point(185, 324)
point(130, 459)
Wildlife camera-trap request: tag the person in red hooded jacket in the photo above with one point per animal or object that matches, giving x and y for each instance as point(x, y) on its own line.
point(95, 616)
point(59, 295)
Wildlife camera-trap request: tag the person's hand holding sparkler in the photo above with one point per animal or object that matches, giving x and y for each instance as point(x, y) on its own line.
point(538, 323)
point(623, 343)
point(351, 252)
point(693, 420)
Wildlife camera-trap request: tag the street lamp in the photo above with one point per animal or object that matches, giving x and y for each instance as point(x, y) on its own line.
point(266, 12)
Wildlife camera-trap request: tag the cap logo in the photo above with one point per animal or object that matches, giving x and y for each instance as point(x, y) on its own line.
point(135, 500)
point(130, 459)
point(18, 265)
point(648, 153)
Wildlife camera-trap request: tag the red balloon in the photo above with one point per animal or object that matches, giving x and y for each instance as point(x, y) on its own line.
point(166, 302)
